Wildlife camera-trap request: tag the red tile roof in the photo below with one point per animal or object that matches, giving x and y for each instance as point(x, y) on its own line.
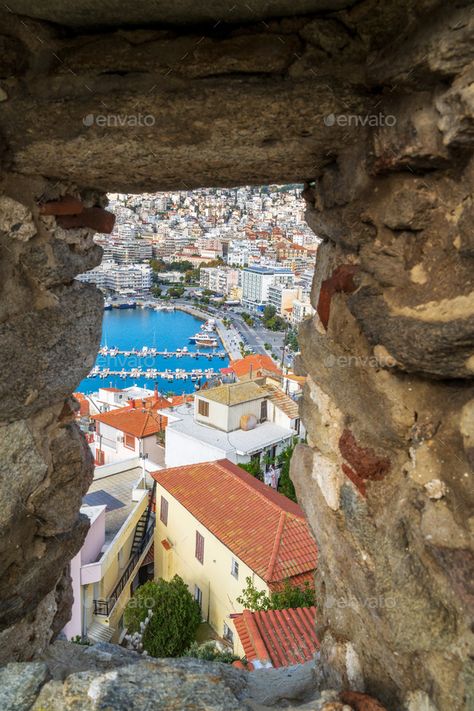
point(137, 422)
point(259, 364)
point(263, 528)
point(140, 417)
point(281, 637)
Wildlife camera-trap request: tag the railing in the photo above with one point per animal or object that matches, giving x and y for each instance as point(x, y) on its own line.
point(105, 607)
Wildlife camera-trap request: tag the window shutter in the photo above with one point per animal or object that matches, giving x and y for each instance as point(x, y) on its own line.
point(199, 547)
point(164, 511)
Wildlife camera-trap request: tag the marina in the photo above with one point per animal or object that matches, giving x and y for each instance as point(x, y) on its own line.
point(153, 373)
point(147, 351)
point(180, 353)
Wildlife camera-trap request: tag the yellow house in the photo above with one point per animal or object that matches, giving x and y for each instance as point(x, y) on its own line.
point(216, 525)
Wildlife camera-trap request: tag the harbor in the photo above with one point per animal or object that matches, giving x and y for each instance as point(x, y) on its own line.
point(147, 351)
point(154, 374)
point(181, 351)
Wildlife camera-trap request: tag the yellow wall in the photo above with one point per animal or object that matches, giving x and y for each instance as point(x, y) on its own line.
point(219, 588)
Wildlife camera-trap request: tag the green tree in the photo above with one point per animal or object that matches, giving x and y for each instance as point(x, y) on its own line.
point(292, 340)
point(253, 468)
point(253, 599)
point(176, 291)
point(285, 485)
point(158, 265)
point(175, 616)
point(288, 596)
point(268, 313)
point(182, 266)
point(156, 291)
point(191, 276)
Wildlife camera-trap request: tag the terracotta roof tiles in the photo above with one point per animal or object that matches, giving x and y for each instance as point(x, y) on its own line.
point(278, 637)
point(258, 363)
point(263, 528)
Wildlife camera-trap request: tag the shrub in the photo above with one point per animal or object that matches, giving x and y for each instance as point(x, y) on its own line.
point(175, 616)
point(209, 652)
point(289, 596)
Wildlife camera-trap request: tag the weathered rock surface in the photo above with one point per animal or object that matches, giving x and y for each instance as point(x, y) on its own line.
point(71, 676)
point(46, 321)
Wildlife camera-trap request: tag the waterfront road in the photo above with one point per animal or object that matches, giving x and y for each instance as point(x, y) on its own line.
point(253, 337)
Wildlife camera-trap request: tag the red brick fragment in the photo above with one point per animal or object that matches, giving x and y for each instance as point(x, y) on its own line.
point(341, 280)
point(363, 460)
point(361, 702)
point(96, 218)
point(356, 480)
point(324, 304)
point(67, 205)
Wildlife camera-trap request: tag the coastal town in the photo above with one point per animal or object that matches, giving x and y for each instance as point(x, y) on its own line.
point(247, 246)
point(191, 479)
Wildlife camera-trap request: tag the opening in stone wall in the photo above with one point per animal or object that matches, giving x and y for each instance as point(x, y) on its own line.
point(204, 292)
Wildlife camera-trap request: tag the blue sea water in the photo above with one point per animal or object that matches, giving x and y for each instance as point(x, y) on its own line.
point(164, 330)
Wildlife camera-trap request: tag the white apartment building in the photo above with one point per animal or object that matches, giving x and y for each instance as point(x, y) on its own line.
point(124, 279)
point(301, 309)
point(282, 297)
point(222, 280)
point(127, 250)
point(256, 282)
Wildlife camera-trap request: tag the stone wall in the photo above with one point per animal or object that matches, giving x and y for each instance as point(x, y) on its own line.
point(372, 104)
point(49, 334)
point(385, 476)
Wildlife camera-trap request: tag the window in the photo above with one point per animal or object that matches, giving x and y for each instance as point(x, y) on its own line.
point(263, 411)
point(129, 441)
point(199, 547)
point(228, 634)
point(297, 425)
point(234, 569)
point(198, 595)
point(203, 408)
point(164, 511)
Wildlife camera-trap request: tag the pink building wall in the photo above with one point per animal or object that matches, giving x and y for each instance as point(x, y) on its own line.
point(89, 552)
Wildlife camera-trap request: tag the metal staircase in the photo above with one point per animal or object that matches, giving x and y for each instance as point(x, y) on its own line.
point(141, 538)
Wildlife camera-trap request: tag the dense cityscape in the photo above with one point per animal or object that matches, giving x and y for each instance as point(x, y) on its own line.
point(245, 245)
